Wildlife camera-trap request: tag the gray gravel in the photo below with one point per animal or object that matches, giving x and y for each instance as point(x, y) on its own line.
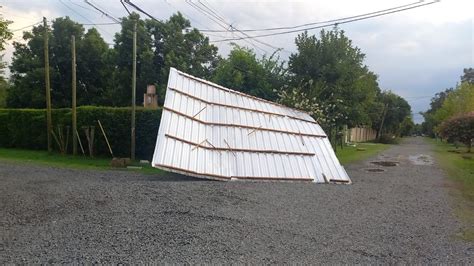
point(405, 214)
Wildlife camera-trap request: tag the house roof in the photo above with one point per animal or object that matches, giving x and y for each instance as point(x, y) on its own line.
point(210, 131)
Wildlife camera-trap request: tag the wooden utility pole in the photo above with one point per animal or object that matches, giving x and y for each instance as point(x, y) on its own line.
point(48, 89)
point(384, 113)
point(74, 114)
point(134, 88)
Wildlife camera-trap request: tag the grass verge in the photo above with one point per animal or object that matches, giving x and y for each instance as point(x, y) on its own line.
point(347, 155)
point(361, 151)
point(66, 161)
point(459, 166)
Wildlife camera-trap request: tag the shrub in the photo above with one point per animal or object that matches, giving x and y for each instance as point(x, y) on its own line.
point(26, 128)
point(388, 139)
point(459, 128)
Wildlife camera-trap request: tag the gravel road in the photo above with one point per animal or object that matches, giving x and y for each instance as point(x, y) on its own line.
point(404, 214)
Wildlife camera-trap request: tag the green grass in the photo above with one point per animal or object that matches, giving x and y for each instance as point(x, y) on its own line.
point(461, 172)
point(65, 161)
point(351, 154)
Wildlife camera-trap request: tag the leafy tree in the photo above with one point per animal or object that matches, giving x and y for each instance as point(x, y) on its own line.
point(3, 93)
point(5, 35)
point(120, 93)
point(27, 69)
point(336, 68)
point(61, 59)
point(94, 69)
point(450, 102)
point(160, 45)
point(395, 111)
point(242, 71)
point(407, 127)
point(327, 113)
point(178, 45)
point(436, 102)
point(468, 75)
point(459, 101)
point(459, 128)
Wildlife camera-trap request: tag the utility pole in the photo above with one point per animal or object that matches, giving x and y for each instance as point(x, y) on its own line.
point(48, 89)
point(384, 113)
point(134, 88)
point(74, 114)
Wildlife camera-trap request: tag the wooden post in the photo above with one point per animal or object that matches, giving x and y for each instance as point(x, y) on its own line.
point(105, 136)
point(134, 87)
point(47, 83)
point(379, 134)
point(74, 114)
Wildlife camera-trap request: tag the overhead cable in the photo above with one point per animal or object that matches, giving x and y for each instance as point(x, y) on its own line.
point(327, 25)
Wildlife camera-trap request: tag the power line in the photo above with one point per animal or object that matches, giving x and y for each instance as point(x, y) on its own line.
point(128, 11)
point(79, 14)
point(220, 21)
point(322, 22)
point(214, 11)
point(328, 25)
point(25, 27)
point(141, 10)
point(152, 17)
point(102, 12)
point(200, 10)
point(191, 19)
point(81, 6)
point(100, 24)
point(195, 22)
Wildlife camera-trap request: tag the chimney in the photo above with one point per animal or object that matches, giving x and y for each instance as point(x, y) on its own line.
point(150, 99)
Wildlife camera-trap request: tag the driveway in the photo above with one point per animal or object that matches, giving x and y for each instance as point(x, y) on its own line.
point(403, 214)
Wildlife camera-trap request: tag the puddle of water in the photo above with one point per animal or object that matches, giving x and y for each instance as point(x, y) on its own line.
point(385, 163)
point(374, 170)
point(421, 159)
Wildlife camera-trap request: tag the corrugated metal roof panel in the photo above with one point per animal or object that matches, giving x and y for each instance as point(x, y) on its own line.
point(210, 131)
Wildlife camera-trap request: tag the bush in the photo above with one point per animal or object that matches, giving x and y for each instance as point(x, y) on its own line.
point(459, 128)
point(388, 139)
point(26, 129)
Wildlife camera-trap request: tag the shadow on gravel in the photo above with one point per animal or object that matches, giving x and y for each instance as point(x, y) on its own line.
point(173, 177)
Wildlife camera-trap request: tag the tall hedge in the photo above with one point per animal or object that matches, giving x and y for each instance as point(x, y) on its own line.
point(26, 128)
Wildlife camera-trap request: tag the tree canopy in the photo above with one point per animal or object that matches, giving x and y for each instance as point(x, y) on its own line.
point(326, 76)
point(332, 71)
point(103, 72)
point(5, 35)
point(243, 71)
point(447, 104)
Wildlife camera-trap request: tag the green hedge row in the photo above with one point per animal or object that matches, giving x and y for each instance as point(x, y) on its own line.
point(26, 129)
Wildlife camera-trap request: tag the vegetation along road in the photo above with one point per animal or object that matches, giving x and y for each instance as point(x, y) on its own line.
point(403, 214)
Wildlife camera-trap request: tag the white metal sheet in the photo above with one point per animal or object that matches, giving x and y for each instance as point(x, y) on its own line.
point(213, 132)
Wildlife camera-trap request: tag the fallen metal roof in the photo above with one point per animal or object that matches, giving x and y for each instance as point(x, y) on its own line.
point(213, 132)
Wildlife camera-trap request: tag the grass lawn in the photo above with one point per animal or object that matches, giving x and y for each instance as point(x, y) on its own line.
point(461, 172)
point(346, 155)
point(66, 161)
point(360, 152)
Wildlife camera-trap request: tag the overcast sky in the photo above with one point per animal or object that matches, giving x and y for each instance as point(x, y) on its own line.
point(415, 53)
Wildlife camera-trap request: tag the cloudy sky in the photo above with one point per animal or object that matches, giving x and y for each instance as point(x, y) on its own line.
point(415, 53)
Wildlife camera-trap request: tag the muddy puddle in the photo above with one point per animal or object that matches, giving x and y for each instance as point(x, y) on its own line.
point(374, 170)
point(421, 159)
point(385, 163)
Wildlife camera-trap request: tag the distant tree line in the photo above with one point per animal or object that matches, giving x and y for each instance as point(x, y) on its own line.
point(326, 76)
point(451, 112)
